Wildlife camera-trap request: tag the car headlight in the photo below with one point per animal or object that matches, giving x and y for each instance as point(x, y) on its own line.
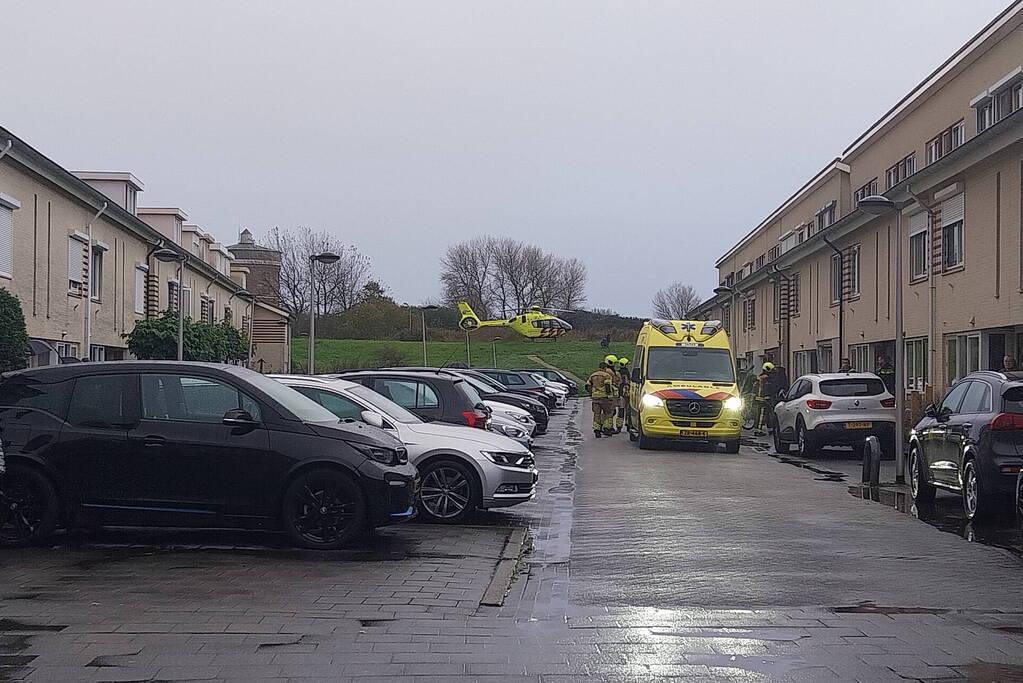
point(510, 430)
point(509, 459)
point(383, 455)
point(651, 401)
point(733, 403)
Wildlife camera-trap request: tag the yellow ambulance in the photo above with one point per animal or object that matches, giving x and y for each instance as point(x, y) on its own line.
point(684, 385)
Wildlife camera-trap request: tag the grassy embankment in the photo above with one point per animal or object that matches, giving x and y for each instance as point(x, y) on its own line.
point(577, 357)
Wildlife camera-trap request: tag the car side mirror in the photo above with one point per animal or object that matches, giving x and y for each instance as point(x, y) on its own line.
point(781, 394)
point(238, 417)
point(372, 419)
point(483, 408)
point(637, 376)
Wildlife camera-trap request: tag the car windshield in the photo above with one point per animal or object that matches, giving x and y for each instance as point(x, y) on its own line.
point(852, 387)
point(389, 407)
point(488, 380)
point(695, 364)
point(481, 387)
point(470, 392)
point(302, 407)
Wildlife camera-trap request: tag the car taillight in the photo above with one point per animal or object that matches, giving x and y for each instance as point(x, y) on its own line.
point(475, 419)
point(888, 402)
point(1006, 421)
point(815, 404)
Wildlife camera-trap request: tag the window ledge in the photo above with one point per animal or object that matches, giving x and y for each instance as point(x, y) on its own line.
point(6, 276)
point(954, 269)
point(917, 280)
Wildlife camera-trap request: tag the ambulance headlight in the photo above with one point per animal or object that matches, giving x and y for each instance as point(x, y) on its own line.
point(651, 401)
point(733, 403)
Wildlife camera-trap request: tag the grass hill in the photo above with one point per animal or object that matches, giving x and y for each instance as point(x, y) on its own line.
point(577, 357)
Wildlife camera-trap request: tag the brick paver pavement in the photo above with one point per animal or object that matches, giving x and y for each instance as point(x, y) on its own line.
point(643, 566)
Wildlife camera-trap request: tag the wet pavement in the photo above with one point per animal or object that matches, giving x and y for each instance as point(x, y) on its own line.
point(639, 565)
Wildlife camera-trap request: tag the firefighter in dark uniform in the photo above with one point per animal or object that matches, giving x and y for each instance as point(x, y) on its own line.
point(886, 372)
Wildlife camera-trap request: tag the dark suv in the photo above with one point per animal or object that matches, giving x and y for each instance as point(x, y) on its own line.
point(147, 443)
point(520, 383)
point(490, 390)
point(971, 443)
point(438, 395)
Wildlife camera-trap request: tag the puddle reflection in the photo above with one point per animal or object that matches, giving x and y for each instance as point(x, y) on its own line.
point(946, 514)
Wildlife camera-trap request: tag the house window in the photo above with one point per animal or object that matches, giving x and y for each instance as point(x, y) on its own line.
point(804, 362)
point(130, 200)
point(916, 364)
point(946, 141)
point(952, 245)
point(6, 240)
point(760, 261)
point(900, 171)
point(962, 356)
point(97, 353)
point(96, 274)
point(749, 313)
point(186, 301)
point(75, 265)
point(824, 357)
point(985, 117)
point(773, 253)
point(859, 357)
point(141, 273)
point(836, 278)
point(866, 191)
point(918, 255)
point(794, 295)
point(853, 260)
point(826, 216)
point(67, 349)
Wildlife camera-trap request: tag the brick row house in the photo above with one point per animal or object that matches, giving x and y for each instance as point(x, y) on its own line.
point(815, 281)
point(76, 239)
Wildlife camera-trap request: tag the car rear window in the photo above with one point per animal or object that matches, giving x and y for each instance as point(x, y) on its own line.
point(852, 387)
point(1013, 400)
point(470, 392)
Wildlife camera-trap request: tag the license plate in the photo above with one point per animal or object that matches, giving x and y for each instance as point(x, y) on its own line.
point(859, 425)
point(694, 433)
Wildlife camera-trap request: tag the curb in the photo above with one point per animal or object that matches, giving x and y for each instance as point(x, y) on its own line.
point(504, 573)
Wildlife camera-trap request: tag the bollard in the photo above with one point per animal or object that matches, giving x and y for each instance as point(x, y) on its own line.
point(871, 462)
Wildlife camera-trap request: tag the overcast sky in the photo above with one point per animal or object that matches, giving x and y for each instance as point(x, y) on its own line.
point(641, 137)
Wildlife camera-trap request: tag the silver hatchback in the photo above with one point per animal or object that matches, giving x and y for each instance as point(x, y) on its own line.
point(463, 469)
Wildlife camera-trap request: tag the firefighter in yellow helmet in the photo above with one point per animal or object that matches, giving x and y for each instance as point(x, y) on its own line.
point(600, 385)
point(612, 367)
point(623, 394)
point(761, 396)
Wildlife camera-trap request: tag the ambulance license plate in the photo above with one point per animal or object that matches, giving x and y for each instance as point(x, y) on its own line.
point(694, 433)
point(859, 425)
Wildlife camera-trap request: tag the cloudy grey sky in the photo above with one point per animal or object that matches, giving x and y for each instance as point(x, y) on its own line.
point(641, 137)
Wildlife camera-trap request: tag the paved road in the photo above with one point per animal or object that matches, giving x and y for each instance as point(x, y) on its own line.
point(640, 566)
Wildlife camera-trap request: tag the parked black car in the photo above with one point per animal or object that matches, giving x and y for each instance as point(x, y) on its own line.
point(556, 376)
point(520, 383)
point(971, 443)
point(148, 443)
point(436, 395)
point(491, 390)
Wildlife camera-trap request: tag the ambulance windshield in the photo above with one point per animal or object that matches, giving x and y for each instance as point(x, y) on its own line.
point(694, 364)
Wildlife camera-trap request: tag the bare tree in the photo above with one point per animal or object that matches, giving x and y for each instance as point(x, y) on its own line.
point(675, 301)
point(501, 276)
point(339, 285)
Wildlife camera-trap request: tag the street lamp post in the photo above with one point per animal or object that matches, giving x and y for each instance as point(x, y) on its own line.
point(494, 344)
point(422, 311)
point(326, 257)
point(878, 206)
point(171, 256)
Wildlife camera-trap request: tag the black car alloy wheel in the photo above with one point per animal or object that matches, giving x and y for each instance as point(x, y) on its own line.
point(446, 493)
point(975, 502)
point(323, 509)
point(28, 507)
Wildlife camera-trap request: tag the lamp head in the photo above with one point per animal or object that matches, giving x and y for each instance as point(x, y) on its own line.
point(876, 204)
point(326, 257)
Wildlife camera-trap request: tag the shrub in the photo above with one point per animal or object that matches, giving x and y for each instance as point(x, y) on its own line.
point(13, 336)
point(157, 339)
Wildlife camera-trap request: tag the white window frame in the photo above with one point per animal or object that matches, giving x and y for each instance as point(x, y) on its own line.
point(962, 355)
point(918, 271)
point(97, 353)
point(96, 272)
point(955, 230)
point(835, 281)
point(7, 207)
point(186, 297)
point(916, 364)
point(76, 246)
point(67, 349)
point(859, 357)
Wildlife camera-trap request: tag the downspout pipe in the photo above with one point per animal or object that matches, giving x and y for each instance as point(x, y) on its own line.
point(841, 296)
point(87, 351)
point(932, 347)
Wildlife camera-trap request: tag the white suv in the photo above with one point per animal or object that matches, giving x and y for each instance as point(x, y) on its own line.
point(834, 409)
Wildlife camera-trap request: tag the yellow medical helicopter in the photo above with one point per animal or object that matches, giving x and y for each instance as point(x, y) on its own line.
point(532, 322)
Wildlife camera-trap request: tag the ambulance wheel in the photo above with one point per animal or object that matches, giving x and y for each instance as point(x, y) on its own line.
point(731, 447)
point(633, 433)
point(646, 443)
